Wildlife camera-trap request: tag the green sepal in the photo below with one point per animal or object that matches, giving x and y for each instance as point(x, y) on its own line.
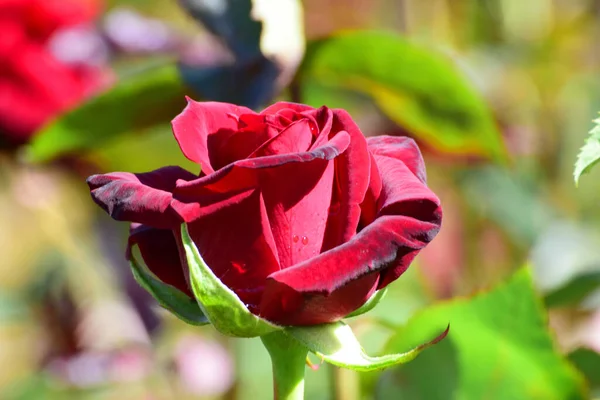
point(336, 344)
point(370, 304)
point(221, 305)
point(170, 298)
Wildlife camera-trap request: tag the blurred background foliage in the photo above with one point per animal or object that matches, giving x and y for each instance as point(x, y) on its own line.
point(498, 93)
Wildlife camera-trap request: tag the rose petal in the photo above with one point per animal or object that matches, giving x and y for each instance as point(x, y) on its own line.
point(401, 148)
point(352, 180)
point(297, 197)
point(296, 189)
point(255, 129)
point(296, 138)
point(160, 253)
point(403, 193)
point(409, 217)
point(391, 242)
point(287, 306)
point(284, 105)
point(199, 121)
point(245, 174)
point(323, 119)
point(142, 198)
point(235, 240)
point(368, 208)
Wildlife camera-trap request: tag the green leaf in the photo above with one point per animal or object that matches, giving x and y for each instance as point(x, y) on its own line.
point(574, 291)
point(221, 305)
point(140, 101)
point(336, 344)
point(370, 304)
point(421, 90)
point(588, 362)
point(589, 154)
point(500, 348)
point(178, 303)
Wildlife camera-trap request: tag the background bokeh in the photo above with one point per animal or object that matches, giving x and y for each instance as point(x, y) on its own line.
point(500, 95)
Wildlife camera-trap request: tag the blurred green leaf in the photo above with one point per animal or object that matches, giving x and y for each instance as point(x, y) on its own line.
point(574, 291)
point(12, 307)
point(588, 362)
point(589, 154)
point(499, 348)
point(128, 153)
point(509, 200)
point(135, 103)
point(421, 90)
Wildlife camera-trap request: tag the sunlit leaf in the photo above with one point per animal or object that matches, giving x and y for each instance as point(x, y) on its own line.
point(500, 348)
point(589, 154)
point(336, 344)
point(420, 89)
point(509, 200)
point(138, 102)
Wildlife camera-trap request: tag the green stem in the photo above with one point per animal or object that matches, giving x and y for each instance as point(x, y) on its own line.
point(288, 358)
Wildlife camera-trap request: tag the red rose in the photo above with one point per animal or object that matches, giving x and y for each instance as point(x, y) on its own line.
point(295, 211)
point(34, 85)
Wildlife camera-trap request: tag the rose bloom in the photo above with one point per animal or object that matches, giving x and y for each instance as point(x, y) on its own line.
point(34, 85)
point(294, 210)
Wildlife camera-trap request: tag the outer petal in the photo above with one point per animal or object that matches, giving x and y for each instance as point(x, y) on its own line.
point(143, 198)
point(390, 242)
point(352, 180)
point(401, 148)
point(160, 253)
point(316, 291)
point(404, 193)
point(201, 120)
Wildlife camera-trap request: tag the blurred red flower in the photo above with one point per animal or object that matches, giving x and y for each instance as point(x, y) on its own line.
point(35, 84)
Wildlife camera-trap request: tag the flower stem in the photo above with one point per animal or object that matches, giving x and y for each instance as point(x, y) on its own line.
point(288, 358)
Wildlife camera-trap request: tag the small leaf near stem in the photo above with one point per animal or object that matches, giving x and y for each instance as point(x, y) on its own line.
point(221, 306)
point(288, 357)
point(336, 344)
point(178, 303)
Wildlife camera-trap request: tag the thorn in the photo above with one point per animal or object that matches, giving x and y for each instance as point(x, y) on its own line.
point(314, 367)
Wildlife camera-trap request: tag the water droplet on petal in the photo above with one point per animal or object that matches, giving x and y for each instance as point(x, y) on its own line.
point(313, 128)
point(304, 240)
point(295, 238)
point(239, 266)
